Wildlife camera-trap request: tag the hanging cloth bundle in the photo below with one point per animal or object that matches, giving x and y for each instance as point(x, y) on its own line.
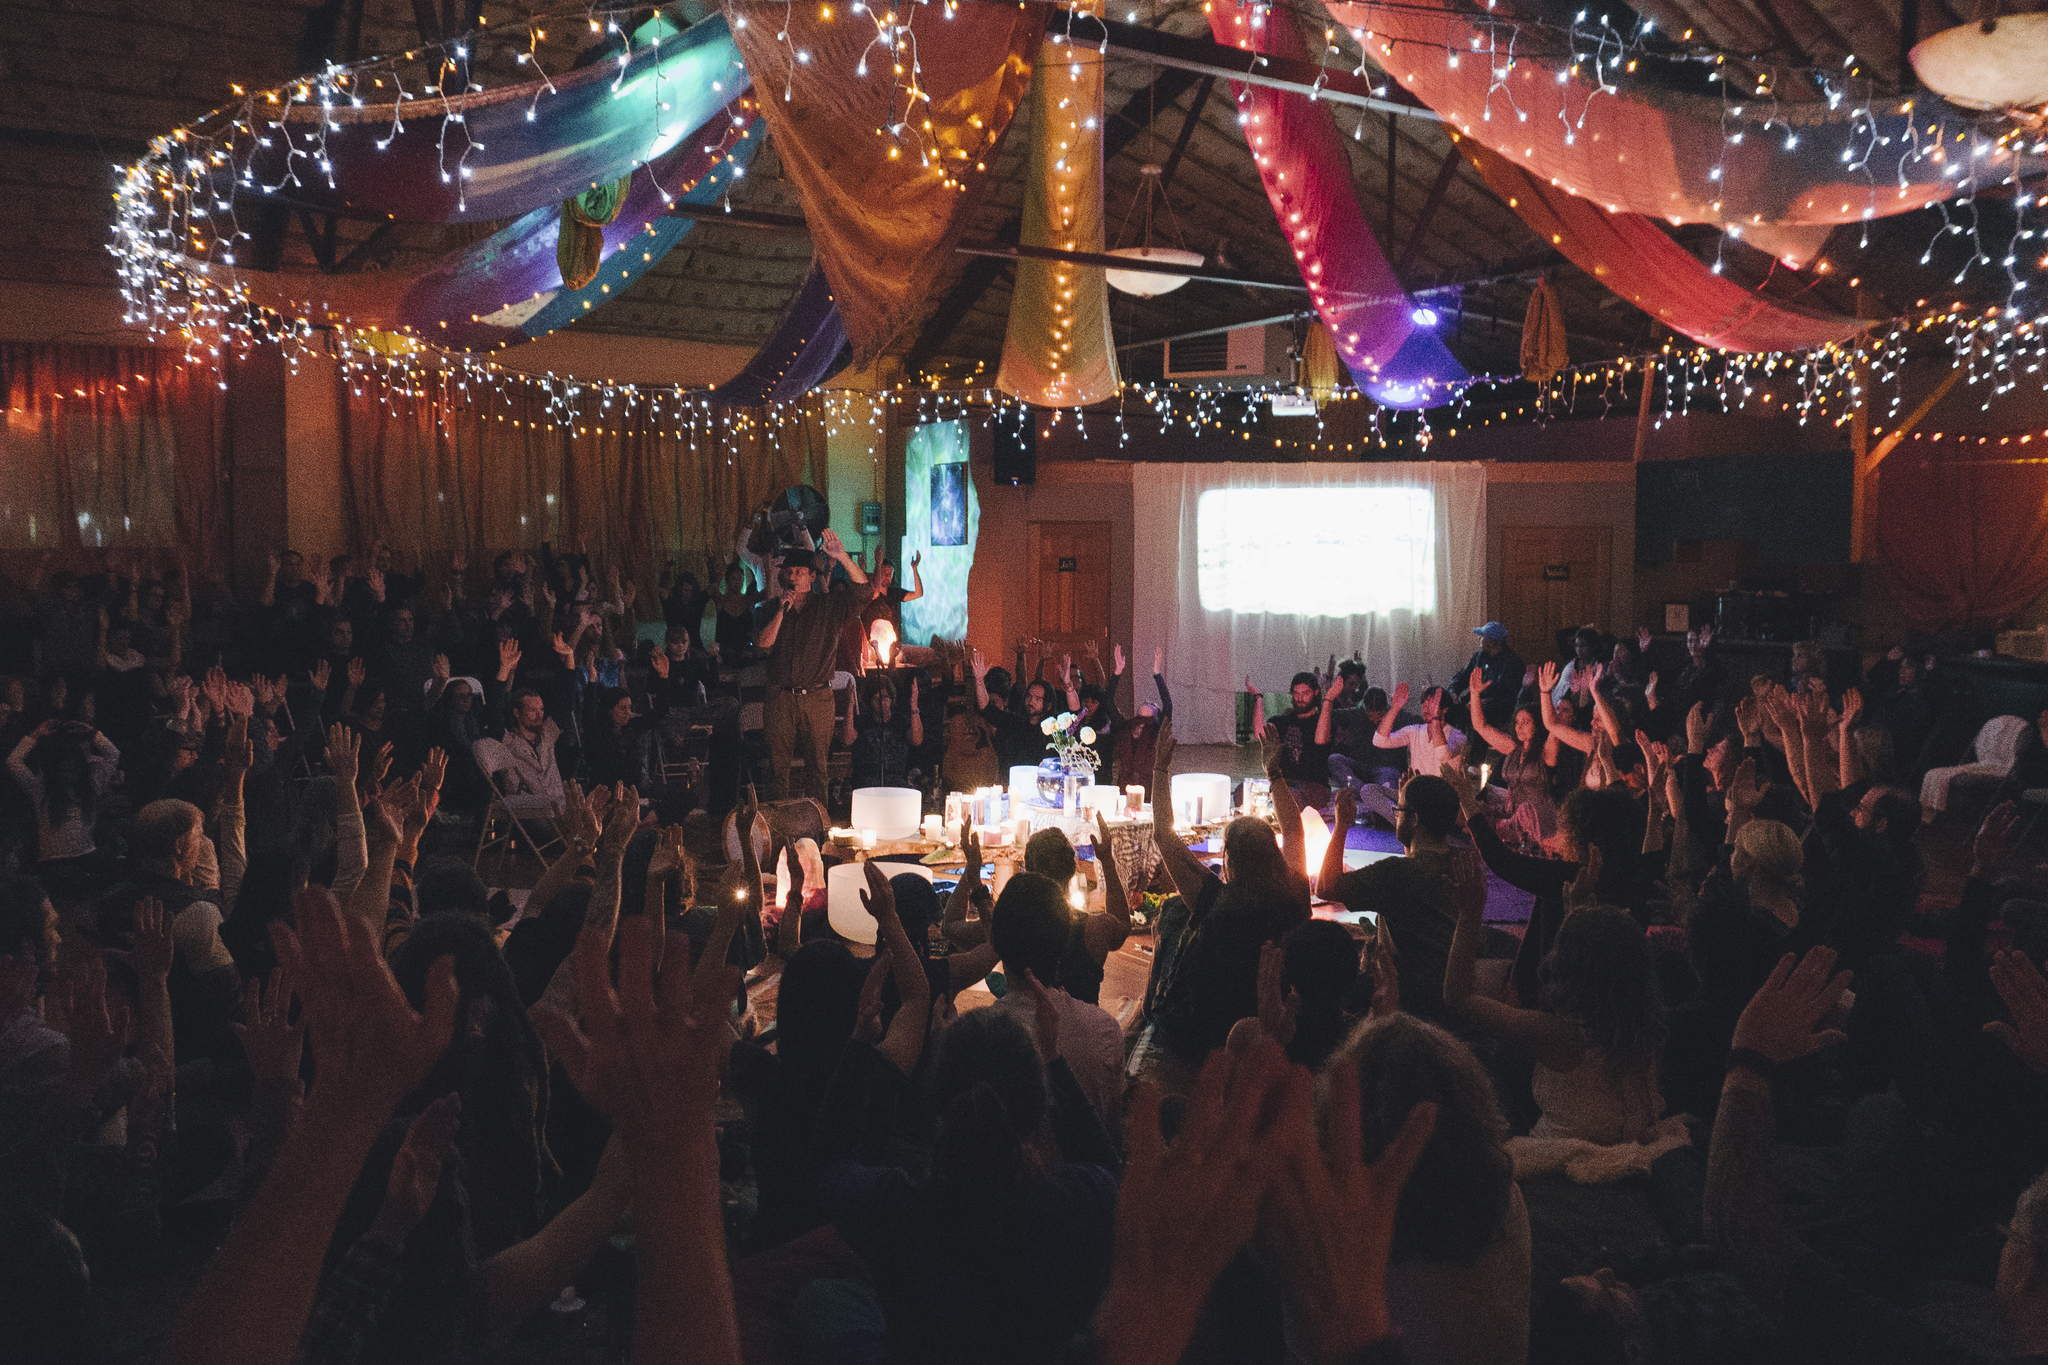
point(580, 248)
point(1543, 336)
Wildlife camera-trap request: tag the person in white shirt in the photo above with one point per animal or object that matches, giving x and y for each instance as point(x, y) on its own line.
point(1428, 744)
point(1033, 922)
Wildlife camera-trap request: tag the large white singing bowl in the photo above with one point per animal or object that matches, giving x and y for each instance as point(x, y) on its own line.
point(891, 812)
point(843, 887)
point(1212, 788)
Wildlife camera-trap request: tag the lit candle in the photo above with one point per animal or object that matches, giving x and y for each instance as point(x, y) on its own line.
point(933, 826)
point(867, 838)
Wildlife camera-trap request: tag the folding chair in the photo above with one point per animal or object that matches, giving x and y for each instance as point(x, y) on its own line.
point(503, 828)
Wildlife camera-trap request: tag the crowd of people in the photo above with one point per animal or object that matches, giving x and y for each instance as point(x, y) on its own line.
point(1713, 1102)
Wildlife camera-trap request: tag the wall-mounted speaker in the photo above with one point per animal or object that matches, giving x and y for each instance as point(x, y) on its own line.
point(1016, 449)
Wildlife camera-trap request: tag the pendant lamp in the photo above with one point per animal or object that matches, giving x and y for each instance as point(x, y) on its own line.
point(1145, 283)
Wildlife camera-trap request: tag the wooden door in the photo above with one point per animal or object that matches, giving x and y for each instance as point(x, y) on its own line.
point(1070, 583)
point(1553, 578)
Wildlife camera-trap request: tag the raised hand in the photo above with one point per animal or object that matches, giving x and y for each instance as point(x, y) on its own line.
point(1117, 660)
point(1782, 1021)
point(573, 818)
point(562, 647)
point(1745, 793)
point(1477, 682)
point(1385, 965)
point(1468, 884)
point(509, 655)
point(1546, 675)
point(433, 772)
point(215, 689)
point(152, 948)
point(441, 669)
point(1697, 726)
point(621, 823)
point(1400, 697)
point(1045, 1015)
point(320, 675)
point(1852, 707)
point(1330, 1222)
point(271, 1041)
point(1642, 642)
point(658, 661)
point(358, 672)
point(668, 854)
point(343, 744)
point(416, 1170)
point(1278, 1003)
point(370, 1047)
point(2020, 985)
point(1583, 891)
point(1159, 661)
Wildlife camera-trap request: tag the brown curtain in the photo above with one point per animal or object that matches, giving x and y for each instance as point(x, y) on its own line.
point(449, 467)
point(110, 450)
point(1963, 535)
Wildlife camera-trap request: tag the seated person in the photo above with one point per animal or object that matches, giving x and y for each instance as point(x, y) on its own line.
point(1413, 893)
point(1304, 737)
point(879, 740)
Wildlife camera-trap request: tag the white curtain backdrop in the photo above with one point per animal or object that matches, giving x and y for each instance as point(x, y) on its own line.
point(1291, 563)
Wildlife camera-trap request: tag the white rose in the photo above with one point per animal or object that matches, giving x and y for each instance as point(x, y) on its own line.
point(1087, 734)
point(1047, 726)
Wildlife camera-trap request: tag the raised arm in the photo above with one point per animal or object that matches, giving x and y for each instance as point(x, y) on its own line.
point(832, 546)
point(1159, 681)
point(916, 577)
point(980, 681)
point(1500, 741)
point(1286, 809)
point(1823, 770)
point(1333, 853)
point(1323, 720)
point(1182, 868)
point(1383, 737)
point(1850, 767)
point(1105, 933)
point(916, 714)
point(1546, 681)
point(904, 1041)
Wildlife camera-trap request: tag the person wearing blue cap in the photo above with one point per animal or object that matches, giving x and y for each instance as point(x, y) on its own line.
point(1500, 670)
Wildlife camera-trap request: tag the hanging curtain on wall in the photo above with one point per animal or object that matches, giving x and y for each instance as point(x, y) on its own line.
point(111, 449)
point(1057, 349)
point(1683, 158)
point(448, 469)
point(1265, 569)
point(1632, 256)
point(884, 225)
point(1963, 538)
point(1307, 176)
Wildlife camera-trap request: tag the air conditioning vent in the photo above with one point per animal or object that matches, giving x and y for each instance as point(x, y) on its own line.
point(1244, 356)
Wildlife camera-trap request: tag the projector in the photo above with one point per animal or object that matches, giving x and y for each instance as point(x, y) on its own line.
point(1292, 404)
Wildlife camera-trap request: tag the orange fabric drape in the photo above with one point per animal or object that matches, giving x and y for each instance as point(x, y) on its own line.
point(884, 225)
point(111, 450)
point(1963, 537)
point(448, 469)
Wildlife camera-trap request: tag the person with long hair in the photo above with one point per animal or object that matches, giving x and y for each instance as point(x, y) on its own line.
point(1210, 977)
point(1595, 1030)
point(1000, 1252)
point(1528, 766)
point(65, 767)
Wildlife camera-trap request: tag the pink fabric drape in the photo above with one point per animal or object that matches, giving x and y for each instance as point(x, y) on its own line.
point(111, 450)
point(1630, 255)
point(1302, 163)
point(1525, 94)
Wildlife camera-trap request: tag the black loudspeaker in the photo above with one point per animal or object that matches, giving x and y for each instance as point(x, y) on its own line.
point(1016, 446)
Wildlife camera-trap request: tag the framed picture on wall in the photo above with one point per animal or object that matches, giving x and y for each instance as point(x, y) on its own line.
point(1678, 616)
point(949, 503)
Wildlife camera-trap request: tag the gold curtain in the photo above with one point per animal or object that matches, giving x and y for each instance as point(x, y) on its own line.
point(111, 450)
point(483, 471)
point(1058, 351)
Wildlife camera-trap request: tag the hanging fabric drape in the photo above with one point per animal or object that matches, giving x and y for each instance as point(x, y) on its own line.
point(1262, 569)
point(579, 240)
point(111, 448)
point(1633, 257)
point(801, 353)
point(449, 469)
point(1307, 174)
point(1321, 370)
point(1963, 538)
point(498, 152)
point(889, 169)
point(1524, 93)
point(1057, 349)
point(1543, 340)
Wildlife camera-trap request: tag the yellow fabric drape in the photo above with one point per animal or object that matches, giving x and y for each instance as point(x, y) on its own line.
point(579, 242)
point(884, 225)
point(445, 469)
point(1543, 345)
point(1321, 371)
point(1058, 352)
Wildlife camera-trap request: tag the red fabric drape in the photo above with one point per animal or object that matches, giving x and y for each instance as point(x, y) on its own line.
point(111, 450)
point(1963, 538)
point(1630, 255)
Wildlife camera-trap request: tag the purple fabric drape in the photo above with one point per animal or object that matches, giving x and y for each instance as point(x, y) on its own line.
point(798, 355)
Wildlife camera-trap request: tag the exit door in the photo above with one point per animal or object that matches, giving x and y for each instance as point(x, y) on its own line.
point(1553, 578)
point(1070, 583)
